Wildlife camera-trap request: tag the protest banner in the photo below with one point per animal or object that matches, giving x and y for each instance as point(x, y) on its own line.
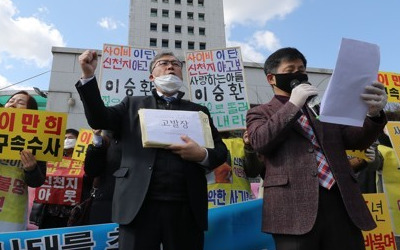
point(124, 72)
point(103, 236)
point(63, 185)
point(228, 184)
point(234, 227)
point(391, 173)
point(392, 85)
point(356, 153)
point(382, 236)
point(41, 132)
point(216, 80)
point(13, 194)
point(84, 139)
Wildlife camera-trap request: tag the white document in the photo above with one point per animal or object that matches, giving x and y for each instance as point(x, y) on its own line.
point(161, 128)
point(356, 67)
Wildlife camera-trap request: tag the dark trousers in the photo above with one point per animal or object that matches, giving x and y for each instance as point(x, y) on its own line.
point(167, 223)
point(332, 230)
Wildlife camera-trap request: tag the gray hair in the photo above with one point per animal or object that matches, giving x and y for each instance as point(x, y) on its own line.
point(158, 56)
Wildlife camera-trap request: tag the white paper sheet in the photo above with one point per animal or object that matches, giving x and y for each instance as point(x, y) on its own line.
point(356, 67)
point(165, 127)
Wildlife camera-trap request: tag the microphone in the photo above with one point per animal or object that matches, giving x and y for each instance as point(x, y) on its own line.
point(313, 102)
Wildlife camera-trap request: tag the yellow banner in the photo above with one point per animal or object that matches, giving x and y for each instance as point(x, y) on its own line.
point(41, 132)
point(229, 182)
point(392, 85)
point(357, 153)
point(84, 139)
point(13, 192)
point(391, 179)
point(382, 236)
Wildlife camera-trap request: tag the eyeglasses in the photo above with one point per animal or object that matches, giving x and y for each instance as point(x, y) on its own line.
point(164, 63)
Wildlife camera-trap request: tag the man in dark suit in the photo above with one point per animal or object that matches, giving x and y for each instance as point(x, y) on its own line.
point(311, 196)
point(160, 195)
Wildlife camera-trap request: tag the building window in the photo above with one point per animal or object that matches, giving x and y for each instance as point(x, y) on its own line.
point(154, 1)
point(201, 3)
point(202, 31)
point(201, 16)
point(178, 44)
point(190, 15)
point(189, 2)
point(177, 1)
point(178, 14)
point(165, 27)
point(153, 26)
point(202, 46)
point(165, 1)
point(164, 43)
point(153, 42)
point(190, 45)
point(165, 13)
point(178, 29)
point(153, 12)
point(190, 30)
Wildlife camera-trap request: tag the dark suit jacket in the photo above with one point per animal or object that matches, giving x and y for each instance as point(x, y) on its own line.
point(291, 182)
point(133, 177)
point(102, 162)
point(36, 177)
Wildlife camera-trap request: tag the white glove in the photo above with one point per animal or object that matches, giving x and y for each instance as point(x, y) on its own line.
point(301, 93)
point(375, 97)
point(370, 154)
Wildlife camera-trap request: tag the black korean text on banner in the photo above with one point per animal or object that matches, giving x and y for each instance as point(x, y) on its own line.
point(124, 72)
point(216, 80)
point(41, 132)
point(392, 85)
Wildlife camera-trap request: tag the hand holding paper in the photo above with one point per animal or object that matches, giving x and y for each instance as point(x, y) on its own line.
point(190, 151)
point(375, 97)
point(357, 66)
point(370, 153)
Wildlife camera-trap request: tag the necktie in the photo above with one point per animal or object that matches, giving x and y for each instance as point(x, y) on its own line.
point(325, 175)
point(168, 98)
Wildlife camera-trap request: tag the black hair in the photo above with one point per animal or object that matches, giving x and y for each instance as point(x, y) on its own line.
point(31, 104)
point(72, 131)
point(285, 54)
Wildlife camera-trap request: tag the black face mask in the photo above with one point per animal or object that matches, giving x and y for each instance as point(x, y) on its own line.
point(283, 80)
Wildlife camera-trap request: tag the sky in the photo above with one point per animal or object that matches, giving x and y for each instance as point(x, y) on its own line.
point(29, 29)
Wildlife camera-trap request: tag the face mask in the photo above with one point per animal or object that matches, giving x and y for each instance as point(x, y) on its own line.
point(168, 83)
point(69, 143)
point(283, 80)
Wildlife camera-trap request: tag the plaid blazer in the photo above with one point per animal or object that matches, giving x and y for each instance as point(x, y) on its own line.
point(291, 187)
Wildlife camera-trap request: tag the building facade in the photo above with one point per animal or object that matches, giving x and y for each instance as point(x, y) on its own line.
point(177, 25)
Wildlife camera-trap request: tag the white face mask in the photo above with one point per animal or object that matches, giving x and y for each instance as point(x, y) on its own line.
point(168, 83)
point(69, 143)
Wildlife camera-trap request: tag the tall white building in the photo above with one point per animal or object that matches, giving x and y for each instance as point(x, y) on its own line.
point(177, 25)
